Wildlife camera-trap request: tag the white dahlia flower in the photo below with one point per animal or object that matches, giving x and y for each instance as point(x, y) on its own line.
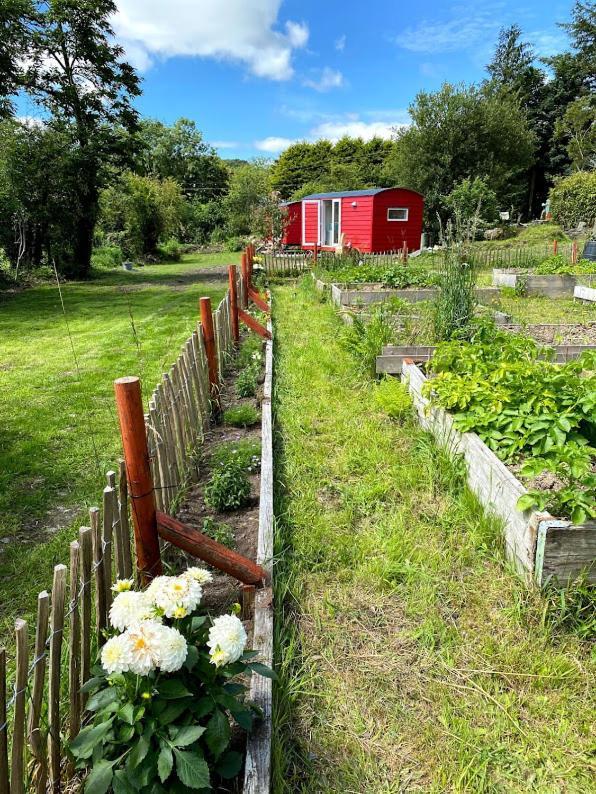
point(200, 575)
point(122, 585)
point(172, 649)
point(175, 596)
point(128, 608)
point(145, 642)
point(116, 655)
point(227, 640)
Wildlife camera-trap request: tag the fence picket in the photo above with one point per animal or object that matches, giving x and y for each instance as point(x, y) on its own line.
point(17, 766)
point(56, 636)
point(86, 563)
point(38, 766)
point(4, 781)
point(100, 578)
point(74, 648)
point(107, 542)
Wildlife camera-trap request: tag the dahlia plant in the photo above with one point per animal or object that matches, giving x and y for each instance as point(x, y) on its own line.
point(164, 695)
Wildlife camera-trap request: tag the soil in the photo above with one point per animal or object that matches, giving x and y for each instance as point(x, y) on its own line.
point(564, 334)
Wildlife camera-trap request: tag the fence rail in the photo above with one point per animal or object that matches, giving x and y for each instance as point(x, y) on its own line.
point(41, 703)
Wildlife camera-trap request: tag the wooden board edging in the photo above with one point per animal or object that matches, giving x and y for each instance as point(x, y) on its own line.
point(539, 546)
point(257, 770)
point(584, 293)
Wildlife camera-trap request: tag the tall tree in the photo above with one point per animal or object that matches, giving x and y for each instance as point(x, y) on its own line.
point(13, 15)
point(76, 72)
point(582, 31)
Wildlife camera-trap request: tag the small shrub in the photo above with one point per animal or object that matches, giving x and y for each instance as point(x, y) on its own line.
point(247, 382)
point(573, 199)
point(242, 416)
point(393, 398)
point(234, 244)
point(170, 251)
point(228, 488)
point(107, 257)
point(218, 531)
point(559, 266)
point(251, 350)
point(247, 453)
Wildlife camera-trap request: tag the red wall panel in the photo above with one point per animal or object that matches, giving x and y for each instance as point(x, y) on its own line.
point(390, 235)
point(310, 210)
point(356, 222)
point(293, 233)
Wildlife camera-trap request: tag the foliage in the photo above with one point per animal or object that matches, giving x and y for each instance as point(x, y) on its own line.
point(107, 256)
point(473, 198)
point(454, 306)
point(573, 199)
point(218, 531)
point(228, 488)
point(170, 251)
point(248, 194)
point(242, 416)
point(571, 609)
point(577, 129)
point(251, 350)
point(393, 398)
point(365, 337)
point(526, 409)
point(245, 452)
point(560, 265)
point(248, 380)
point(397, 276)
point(161, 702)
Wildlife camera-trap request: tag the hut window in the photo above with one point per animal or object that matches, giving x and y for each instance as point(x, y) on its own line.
point(397, 214)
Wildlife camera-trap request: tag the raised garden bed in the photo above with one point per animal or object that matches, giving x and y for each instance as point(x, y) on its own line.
point(552, 286)
point(540, 546)
point(584, 293)
point(362, 294)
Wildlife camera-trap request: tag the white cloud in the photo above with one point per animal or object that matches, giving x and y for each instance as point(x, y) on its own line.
point(356, 128)
point(459, 33)
point(327, 79)
point(225, 144)
point(244, 31)
point(273, 144)
point(340, 43)
point(545, 43)
point(30, 121)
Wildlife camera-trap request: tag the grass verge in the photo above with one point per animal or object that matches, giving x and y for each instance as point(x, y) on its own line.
point(411, 658)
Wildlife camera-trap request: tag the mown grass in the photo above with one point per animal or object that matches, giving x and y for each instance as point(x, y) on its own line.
point(411, 658)
point(546, 310)
point(58, 428)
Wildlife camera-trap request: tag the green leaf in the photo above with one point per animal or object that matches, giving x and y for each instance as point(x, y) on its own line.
point(244, 718)
point(92, 684)
point(187, 735)
point(192, 769)
point(102, 699)
point(100, 779)
point(121, 783)
point(229, 764)
point(126, 713)
point(165, 763)
point(578, 515)
point(263, 670)
point(139, 751)
point(192, 657)
point(88, 739)
point(526, 502)
point(217, 735)
point(172, 689)
point(172, 711)
point(197, 622)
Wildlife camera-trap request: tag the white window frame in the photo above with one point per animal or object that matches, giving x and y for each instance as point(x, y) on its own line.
point(318, 242)
point(335, 206)
point(400, 209)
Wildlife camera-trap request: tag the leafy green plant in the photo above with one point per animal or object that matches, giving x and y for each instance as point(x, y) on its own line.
point(242, 416)
point(217, 530)
point(527, 409)
point(228, 488)
point(396, 276)
point(247, 381)
point(365, 338)
point(251, 351)
point(163, 697)
point(170, 251)
point(246, 452)
point(559, 265)
point(456, 302)
point(107, 257)
point(393, 398)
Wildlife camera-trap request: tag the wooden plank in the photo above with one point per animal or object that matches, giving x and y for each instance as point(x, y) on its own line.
point(74, 649)
point(257, 775)
point(39, 764)
point(117, 527)
point(253, 324)
point(584, 293)
point(107, 541)
point(4, 781)
point(56, 637)
point(17, 766)
point(100, 578)
point(569, 551)
point(85, 543)
point(124, 522)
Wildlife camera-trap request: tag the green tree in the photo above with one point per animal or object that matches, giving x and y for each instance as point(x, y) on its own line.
point(458, 133)
point(472, 198)
point(180, 152)
point(76, 73)
point(573, 199)
point(582, 30)
point(577, 129)
point(249, 191)
point(301, 163)
point(13, 15)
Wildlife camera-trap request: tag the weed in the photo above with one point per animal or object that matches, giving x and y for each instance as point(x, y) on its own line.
point(246, 453)
point(247, 382)
point(393, 398)
point(242, 416)
point(218, 531)
point(572, 609)
point(251, 351)
point(365, 338)
point(228, 488)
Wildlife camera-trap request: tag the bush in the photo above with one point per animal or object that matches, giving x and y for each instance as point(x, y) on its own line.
point(170, 251)
point(218, 531)
point(247, 382)
point(471, 197)
point(234, 244)
point(559, 266)
point(228, 488)
point(573, 199)
point(393, 398)
point(107, 257)
point(242, 416)
point(251, 350)
point(247, 453)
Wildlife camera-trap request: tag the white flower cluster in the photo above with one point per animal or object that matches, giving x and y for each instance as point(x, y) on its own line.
point(227, 640)
point(146, 644)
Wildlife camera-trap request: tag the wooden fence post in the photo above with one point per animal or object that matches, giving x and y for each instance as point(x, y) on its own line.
point(245, 279)
point(405, 252)
point(555, 246)
point(574, 252)
point(232, 278)
point(315, 253)
point(4, 781)
point(210, 352)
point(140, 485)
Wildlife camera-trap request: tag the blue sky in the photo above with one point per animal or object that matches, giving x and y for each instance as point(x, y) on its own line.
point(258, 74)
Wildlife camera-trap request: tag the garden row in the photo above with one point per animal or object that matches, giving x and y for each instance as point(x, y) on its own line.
point(164, 707)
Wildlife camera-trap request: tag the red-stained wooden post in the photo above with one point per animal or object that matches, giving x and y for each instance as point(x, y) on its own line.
point(555, 246)
point(316, 253)
point(129, 403)
point(405, 252)
point(210, 352)
point(245, 278)
point(574, 252)
point(232, 275)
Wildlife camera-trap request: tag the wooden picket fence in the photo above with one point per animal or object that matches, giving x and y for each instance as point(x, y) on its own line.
point(287, 264)
point(41, 703)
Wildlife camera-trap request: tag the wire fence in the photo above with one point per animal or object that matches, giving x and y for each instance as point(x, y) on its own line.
point(41, 701)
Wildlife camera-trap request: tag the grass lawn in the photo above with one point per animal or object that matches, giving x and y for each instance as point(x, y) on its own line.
point(58, 426)
point(411, 657)
point(547, 310)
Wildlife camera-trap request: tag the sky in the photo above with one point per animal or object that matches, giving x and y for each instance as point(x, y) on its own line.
point(257, 75)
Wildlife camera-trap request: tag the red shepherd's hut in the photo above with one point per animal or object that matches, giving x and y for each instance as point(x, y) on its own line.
point(378, 219)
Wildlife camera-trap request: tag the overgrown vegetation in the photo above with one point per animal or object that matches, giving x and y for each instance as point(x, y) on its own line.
point(366, 336)
point(410, 656)
point(242, 416)
point(228, 487)
point(528, 410)
point(396, 276)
